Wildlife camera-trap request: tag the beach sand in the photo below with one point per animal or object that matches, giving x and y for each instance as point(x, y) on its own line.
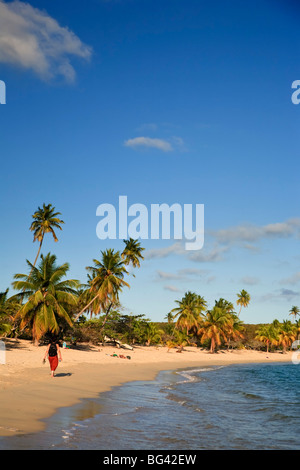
point(28, 394)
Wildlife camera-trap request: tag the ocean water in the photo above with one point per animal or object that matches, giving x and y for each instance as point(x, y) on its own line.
point(242, 407)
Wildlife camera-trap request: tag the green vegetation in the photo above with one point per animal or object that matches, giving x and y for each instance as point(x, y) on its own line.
point(44, 221)
point(48, 303)
point(47, 297)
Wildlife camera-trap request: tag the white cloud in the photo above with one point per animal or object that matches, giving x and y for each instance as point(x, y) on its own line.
point(282, 294)
point(221, 242)
point(294, 279)
point(171, 288)
point(193, 272)
point(252, 233)
point(289, 294)
point(186, 275)
point(160, 144)
point(213, 255)
point(31, 39)
point(167, 276)
point(206, 255)
point(249, 280)
point(176, 248)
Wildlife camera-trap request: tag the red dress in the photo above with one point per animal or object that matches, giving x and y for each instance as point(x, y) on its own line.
point(53, 362)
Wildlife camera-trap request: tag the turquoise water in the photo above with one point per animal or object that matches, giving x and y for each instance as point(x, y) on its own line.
point(213, 408)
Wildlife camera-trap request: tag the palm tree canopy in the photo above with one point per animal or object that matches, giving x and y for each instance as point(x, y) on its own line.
point(108, 276)
point(268, 333)
point(243, 298)
point(225, 304)
point(132, 252)
point(48, 296)
point(295, 311)
point(8, 306)
point(216, 326)
point(189, 311)
point(45, 220)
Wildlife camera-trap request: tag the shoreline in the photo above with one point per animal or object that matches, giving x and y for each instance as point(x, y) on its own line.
point(28, 395)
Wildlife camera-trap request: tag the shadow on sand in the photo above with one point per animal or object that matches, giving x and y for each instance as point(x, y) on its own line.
point(63, 374)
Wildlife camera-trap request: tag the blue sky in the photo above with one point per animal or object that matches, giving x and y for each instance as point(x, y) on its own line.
point(201, 93)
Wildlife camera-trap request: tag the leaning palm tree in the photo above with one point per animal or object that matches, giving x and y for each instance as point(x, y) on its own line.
point(106, 278)
point(106, 282)
point(47, 295)
point(243, 299)
point(295, 311)
point(132, 253)
point(45, 221)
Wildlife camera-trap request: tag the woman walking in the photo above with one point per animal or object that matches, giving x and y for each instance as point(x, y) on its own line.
point(53, 352)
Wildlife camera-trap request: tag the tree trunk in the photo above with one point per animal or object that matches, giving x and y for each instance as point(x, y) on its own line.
point(38, 252)
point(105, 318)
point(84, 308)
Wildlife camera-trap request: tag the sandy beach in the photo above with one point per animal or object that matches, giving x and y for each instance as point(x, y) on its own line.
point(28, 394)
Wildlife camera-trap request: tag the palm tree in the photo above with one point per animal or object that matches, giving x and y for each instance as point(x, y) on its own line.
point(189, 311)
point(268, 334)
point(286, 335)
point(225, 304)
point(179, 341)
point(243, 299)
point(234, 328)
point(295, 311)
point(106, 282)
point(169, 317)
point(132, 253)
point(48, 296)
point(152, 333)
point(298, 328)
point(8, 308)
point(170, 326)
point(106, 278)
point(45, 220)
point(215, 327)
